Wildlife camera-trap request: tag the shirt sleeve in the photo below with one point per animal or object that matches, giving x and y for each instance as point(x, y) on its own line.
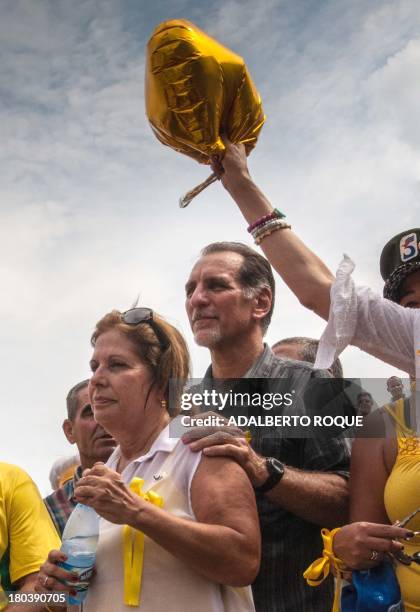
point(31, 532)
point(326, 449)
point(360, 317)
point(327, 455)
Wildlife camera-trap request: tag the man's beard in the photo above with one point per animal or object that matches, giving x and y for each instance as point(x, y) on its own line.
point(208, 337)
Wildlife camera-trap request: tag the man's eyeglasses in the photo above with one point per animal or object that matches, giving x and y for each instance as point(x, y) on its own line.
point(134, 316)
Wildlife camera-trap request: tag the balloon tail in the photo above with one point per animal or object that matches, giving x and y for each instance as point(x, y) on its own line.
point(190, 195)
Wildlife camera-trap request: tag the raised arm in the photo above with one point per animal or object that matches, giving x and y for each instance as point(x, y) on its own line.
point(305, 274)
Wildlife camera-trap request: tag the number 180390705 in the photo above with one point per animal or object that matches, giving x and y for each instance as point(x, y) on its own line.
point(37, 598)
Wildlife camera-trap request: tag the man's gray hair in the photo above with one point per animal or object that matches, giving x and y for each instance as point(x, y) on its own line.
point(72, 398)
point(255, 272)
point(308, 348)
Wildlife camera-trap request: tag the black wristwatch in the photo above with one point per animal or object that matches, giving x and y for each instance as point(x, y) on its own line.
point(275, 470)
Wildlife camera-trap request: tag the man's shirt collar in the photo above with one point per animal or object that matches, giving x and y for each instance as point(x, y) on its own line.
point(261, 368)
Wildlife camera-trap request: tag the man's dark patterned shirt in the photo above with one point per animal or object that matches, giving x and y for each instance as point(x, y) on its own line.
point(289, 543)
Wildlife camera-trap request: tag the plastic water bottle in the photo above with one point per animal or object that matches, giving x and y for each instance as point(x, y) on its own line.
point(80, 540)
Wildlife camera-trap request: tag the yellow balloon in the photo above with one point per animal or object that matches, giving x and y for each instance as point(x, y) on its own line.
point(196, 90)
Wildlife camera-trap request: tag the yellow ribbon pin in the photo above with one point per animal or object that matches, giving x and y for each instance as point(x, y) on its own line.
point(320, 568)
point(133, 545)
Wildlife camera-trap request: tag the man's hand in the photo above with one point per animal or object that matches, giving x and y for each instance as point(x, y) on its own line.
point(217, 442)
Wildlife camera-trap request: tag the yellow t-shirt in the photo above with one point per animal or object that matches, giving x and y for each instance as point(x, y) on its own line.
point(27, 533)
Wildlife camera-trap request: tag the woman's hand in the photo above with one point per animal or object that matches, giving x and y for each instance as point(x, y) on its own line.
point(104, 490)
point(233, 167)
point(364, 545)
point(51, 577)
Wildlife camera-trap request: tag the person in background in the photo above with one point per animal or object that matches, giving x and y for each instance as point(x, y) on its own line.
point(93, 443)
point(62, 470)
point(26, 536)
point(364, 403)
point(395, 388)
point(304, 349)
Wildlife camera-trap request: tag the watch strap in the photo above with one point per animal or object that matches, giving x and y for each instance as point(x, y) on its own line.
point(275, 470)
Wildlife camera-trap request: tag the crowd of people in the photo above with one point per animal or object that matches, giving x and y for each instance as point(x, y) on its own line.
point(239, 514)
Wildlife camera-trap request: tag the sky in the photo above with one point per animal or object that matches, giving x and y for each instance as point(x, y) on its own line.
point(89, 211)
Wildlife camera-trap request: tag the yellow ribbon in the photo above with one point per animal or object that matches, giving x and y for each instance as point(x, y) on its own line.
point(133, 543)
point(320, 568)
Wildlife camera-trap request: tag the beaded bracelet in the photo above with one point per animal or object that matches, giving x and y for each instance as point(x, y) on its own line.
point(258, 240)
point(265, 226)
point(275, 214)
point(278, 226)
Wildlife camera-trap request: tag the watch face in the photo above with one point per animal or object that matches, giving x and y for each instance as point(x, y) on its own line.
point(275, 470)
point(275, 466)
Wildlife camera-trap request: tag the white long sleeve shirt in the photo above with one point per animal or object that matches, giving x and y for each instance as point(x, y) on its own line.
point(360, 317)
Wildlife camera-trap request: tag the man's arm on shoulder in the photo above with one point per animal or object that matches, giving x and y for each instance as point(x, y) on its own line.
point(317, 497)
point(317, 489)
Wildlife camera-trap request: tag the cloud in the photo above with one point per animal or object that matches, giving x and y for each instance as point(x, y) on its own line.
point(88, 197)
point(394, 90)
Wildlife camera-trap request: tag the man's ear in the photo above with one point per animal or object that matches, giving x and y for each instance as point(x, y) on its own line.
point(263, 303)
point(68, 431)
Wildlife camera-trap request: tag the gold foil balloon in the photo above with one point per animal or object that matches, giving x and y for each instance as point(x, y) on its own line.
point(196, 90)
